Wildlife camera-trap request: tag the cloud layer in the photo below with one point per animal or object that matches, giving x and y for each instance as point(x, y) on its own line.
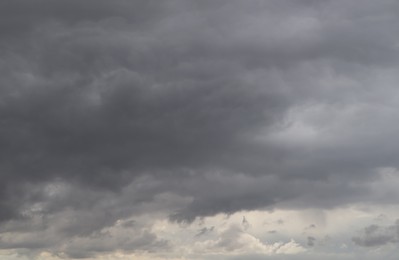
point(112, 111)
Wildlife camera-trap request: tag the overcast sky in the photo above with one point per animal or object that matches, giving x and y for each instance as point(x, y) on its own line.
point(199, 130)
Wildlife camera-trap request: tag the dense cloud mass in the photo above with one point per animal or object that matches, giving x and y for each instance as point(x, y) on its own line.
point(112, 111)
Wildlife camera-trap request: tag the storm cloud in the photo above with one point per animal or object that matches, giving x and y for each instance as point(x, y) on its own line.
point(115, 110)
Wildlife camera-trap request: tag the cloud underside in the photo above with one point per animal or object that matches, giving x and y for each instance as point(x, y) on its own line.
point(111, 110)
point(376, 235)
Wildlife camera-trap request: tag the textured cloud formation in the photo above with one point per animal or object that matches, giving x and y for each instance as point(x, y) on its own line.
point(115, 110)
point(375, 235)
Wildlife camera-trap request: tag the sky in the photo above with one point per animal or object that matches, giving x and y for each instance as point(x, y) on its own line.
point(199, 129)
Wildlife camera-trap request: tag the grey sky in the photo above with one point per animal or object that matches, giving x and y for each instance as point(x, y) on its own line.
point(182, 110)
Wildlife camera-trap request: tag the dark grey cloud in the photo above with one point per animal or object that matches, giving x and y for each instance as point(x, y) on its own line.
point(376, 235)
point(311, 241)
point(204, 231)
point(217, 106)
point(311, 226)
point(245, 223)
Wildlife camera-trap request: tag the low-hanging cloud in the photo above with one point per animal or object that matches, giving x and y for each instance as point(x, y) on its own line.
point(218, 106)
point(376, 235)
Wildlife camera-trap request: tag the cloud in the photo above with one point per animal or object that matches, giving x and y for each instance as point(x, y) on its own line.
point(110, 111)
point(235, 240)
point(62, 238)
point(376, 236)
point(245, 223)
point(204, 231)
point(311, 241)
